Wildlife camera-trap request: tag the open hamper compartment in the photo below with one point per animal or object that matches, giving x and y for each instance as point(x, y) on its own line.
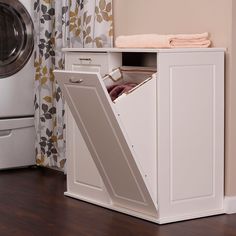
point(120, 135)
point(124, 80)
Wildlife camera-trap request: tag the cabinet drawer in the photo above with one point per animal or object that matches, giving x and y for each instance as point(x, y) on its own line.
point(17, 142)
point(91, 62)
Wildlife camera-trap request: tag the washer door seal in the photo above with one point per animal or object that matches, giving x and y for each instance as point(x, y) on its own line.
point(16, 37)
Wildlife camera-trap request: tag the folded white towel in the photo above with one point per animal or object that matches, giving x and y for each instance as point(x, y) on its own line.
point(163, 41)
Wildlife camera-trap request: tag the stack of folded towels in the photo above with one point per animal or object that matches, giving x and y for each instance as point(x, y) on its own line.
point(164, 41)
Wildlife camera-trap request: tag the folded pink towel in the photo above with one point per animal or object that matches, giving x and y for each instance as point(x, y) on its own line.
point(163, 41)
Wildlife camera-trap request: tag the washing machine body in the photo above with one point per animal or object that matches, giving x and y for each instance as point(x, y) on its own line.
point(17, 133)
point(16, 59)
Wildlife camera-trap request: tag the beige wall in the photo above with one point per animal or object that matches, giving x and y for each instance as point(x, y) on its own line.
point(190, 16)
point(168, 16)
point(231, 113)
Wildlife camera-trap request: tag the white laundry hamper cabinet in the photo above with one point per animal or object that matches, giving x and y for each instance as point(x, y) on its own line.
point(156, 152)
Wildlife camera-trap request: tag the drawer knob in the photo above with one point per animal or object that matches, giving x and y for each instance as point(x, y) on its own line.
point(77, 81)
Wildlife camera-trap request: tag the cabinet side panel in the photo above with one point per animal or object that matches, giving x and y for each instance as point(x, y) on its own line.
point(190, 133)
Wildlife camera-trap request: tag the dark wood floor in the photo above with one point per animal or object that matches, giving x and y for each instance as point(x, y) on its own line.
point(32, 203)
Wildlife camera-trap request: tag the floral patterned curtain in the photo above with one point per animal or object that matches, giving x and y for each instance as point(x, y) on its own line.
point(58, 24)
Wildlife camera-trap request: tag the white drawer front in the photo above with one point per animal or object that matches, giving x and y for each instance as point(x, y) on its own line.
point(91, 62)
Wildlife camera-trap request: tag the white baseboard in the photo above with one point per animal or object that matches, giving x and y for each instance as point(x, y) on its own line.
point(230, 205)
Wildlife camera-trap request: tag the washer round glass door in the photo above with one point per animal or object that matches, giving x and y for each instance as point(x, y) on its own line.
point(16, 37)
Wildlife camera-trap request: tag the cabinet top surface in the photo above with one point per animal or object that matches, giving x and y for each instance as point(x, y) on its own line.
point(157, 50)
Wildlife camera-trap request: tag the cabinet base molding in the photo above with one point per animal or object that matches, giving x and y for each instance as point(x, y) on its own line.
point(162, 220)
point(112, 207)
point(202, 214)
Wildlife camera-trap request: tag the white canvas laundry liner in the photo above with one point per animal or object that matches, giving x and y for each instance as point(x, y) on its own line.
point(127, 74)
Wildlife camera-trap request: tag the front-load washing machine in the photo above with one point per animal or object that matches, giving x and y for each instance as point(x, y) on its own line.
point(17, 133)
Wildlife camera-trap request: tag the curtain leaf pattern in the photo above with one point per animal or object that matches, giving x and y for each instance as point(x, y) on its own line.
point(91, 23)
point(58, 24)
